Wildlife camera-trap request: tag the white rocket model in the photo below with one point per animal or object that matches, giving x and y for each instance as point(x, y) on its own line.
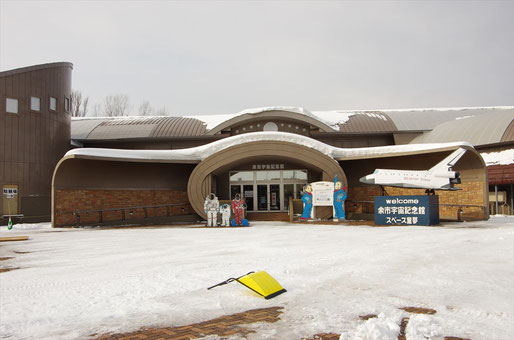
point(211, 207)
point(439, 177)
point(225, 215)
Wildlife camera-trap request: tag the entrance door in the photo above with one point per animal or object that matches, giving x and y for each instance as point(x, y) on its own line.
point(288, 193)
point(262, 197)
point(274, 202)
point(10, 200)
point(248, 196)
point(234, 190)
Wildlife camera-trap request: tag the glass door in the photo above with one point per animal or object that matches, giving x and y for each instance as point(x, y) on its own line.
point(234, 189)
point(288, 193)
point(274, 202)
point(262, 197)
point(248, 196)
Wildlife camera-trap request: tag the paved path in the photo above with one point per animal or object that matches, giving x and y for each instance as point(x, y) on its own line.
point(223, 326)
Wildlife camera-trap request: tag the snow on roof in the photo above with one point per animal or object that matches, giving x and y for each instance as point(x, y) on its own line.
point(199, 153)
point(505, 157)
point(404, 119)
point(214, 120)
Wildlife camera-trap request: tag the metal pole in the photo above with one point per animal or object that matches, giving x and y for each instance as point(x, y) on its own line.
point(511, 200)
point(496, 194)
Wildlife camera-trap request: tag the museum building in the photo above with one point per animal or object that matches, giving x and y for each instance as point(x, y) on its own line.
point(139, 170)
point(265, 154)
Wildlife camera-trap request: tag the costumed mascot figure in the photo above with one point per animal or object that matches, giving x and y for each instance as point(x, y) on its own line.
point(238, 207)
point(339, 197)
point(211, 207)
point(307, 202)
point(225, 215)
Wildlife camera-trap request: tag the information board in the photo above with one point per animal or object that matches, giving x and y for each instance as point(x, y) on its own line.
point(322, 193)
point(407, 210)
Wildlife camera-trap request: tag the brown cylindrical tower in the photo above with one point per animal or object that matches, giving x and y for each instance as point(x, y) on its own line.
point(35, 108)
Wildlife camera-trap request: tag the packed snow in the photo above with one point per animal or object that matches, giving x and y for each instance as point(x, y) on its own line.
point(72, 283)
point(504, 157)
point(199, 153)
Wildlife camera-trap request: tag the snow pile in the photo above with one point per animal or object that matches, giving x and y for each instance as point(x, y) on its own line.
point(335, 118)
point(379, 328)
point(211, 121)
point(199, 153)
point(422, 327)
point(27, 226)
point(505, 157)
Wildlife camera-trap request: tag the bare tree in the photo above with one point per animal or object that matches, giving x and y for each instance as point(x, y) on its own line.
point(79, 104)
point(116, 105)
point(161, 112)
point(145, 109)
point(97, 110)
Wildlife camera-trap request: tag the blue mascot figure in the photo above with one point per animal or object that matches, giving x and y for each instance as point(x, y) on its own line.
point(339, 197)
point(307, 202)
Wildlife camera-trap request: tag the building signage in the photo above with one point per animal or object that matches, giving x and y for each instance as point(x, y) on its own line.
point(268, 166)
point(407, 210)
point(322, 193)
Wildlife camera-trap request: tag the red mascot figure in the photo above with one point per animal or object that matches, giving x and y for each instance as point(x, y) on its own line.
point(238, 207)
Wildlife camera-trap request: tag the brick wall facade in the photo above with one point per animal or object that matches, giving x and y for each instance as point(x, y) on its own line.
point(470, 199)
point(69, 200)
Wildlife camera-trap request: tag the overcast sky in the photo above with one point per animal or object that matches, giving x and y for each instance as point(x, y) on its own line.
point(211, 57)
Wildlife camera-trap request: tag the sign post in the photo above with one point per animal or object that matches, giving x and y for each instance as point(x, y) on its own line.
point(407, 210)
point(322, 195)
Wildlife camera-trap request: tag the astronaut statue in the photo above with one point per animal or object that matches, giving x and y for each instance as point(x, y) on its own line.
point(339, 197)
point(307, 202)
point(225, 215)
point(211, 207)
point(238, 207)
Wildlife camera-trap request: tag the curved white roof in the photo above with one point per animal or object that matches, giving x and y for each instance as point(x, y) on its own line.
point(199, 153)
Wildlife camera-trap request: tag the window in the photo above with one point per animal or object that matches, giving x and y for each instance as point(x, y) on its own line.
point(67, 104)
point(268, 190)
point(268, 175)
point(11, 105)
point(270, 126)
point(35, 103)
point(53, 103)
point(237, 176)
point(295, 174)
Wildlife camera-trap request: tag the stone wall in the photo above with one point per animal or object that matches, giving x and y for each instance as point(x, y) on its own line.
point(69, 200)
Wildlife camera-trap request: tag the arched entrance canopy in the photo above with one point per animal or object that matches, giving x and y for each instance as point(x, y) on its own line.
point(199, 185)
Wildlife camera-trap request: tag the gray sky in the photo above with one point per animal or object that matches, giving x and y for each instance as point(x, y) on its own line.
point(203, 57)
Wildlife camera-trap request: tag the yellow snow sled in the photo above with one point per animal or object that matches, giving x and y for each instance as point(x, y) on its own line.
point(261, 282)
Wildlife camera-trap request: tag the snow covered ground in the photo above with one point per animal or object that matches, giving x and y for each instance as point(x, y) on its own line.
point(76, 282)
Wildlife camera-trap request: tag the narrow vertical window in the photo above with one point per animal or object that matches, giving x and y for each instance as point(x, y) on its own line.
point(53, 104)
point(67, 105)
point(11, 105)
point(35, 103)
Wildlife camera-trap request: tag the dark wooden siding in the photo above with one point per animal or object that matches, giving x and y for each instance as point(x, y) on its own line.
point(31, 143)
point(500, 174)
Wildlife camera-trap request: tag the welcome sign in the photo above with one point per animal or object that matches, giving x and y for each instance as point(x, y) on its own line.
point(407, 210)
